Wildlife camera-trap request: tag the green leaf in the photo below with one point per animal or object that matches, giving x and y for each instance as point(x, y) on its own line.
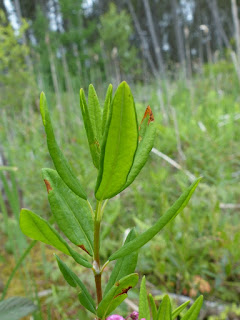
point(123, 266)
point(153, 307)
point(95, 112)
point(119, 144)
point(193, 312)
point(145, 237)
point(93, 139)
point(61, 164)
point(73, 280)
point(33, 226)
point(116, 295)
point(164, 311)
point(145, 145)
point(16, 308)
point(71, 213)
point(177, 311)
point(144, 311)
point(106, 108)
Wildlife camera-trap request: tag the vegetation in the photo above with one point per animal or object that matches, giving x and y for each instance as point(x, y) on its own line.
point(196, 115)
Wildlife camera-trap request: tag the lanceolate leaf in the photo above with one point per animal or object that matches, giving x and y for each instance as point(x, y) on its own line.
point(165, 311)
point(142, 239)
point(119, 144)
point(153, 307)
point(71, 213)
point(193, 312)
point(144, 311)
point(106, 108)
point(73, 280)
point(39, 229)
point(116, 295)
point(95, 112)
point(177, 311)
point(146, 139)
point(61, 164)
point(16, 308)
point(124, 266)
point(93, 139)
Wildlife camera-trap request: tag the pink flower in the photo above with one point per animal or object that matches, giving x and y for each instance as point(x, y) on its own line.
point(115, 317)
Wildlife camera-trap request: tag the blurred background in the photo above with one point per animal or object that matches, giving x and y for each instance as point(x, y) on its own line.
point(182, 57)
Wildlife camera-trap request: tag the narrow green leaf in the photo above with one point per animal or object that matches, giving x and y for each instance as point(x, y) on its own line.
point(106, 108)
point(71, 213)
point(165, 309)
point(93, 139)
point(33, 226)
point(145, 145)
point(119, 144)
point(142, 239)
point(61, 164)
point(123, 266)
point(177, 311)
point(153, 307)
point(73, 280)
point(16, 308)
point(144, 311)
point(193, 312)
point(116, 295)
point(95, 112)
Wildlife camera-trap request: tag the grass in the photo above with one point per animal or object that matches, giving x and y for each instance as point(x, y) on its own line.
point(199, 251)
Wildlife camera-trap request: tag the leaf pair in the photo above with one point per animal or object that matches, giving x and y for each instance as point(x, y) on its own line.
point(165, 309)
point(122, 154)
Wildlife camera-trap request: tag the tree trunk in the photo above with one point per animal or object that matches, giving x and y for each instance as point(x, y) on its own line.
point(236, 27)
point(156, 46)
point(221, 35)
point(178, 33)
point(145, 47)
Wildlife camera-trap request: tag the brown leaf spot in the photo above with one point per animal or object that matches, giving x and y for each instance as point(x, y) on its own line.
point(148, 112)
point(124, 291)
point(117, 284)
point(48, 186)
point(83, 248)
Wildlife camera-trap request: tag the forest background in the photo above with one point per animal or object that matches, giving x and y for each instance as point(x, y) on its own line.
point(182, 57)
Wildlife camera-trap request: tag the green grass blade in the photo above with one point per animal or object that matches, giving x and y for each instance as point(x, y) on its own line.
point(18, 264)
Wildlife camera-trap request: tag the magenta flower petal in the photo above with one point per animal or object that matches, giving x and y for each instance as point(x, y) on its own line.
point(115, 317)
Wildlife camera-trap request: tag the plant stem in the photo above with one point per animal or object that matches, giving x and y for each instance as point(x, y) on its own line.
point(97, 273)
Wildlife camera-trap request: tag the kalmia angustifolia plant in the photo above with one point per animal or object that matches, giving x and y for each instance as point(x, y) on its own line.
point(119, 147)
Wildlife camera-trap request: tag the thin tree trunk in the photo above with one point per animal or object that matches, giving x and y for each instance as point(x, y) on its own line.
point(156, 46)
point(53, 73)
point(221, 35)
point(236, 27)
point(178, 34)
point(145, 48)
point(24, 38)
